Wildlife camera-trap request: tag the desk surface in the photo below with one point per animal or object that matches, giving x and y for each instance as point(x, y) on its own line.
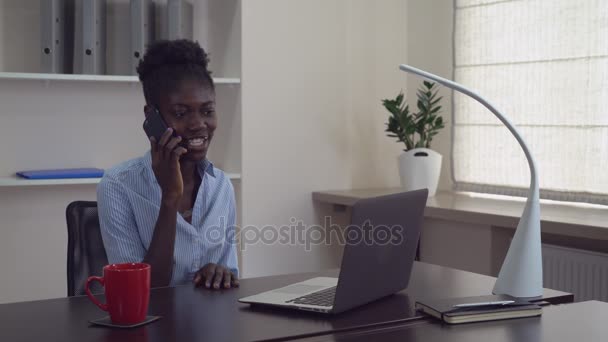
point(191, 314)
point(584, 321)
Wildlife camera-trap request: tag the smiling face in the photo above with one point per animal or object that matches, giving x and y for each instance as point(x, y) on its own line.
point(190, 111)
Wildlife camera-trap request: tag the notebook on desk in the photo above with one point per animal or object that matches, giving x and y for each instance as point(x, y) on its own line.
point(61, 173)
point(477, 309)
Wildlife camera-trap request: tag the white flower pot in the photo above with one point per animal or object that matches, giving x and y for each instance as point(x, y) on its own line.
point(420, 168)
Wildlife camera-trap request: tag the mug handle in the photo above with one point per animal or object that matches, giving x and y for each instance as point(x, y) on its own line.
point(102, 306)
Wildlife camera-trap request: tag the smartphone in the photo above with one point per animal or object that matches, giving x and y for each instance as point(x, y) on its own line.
point(154, 125)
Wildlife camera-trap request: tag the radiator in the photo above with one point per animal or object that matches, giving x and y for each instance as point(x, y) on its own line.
point(583, 273)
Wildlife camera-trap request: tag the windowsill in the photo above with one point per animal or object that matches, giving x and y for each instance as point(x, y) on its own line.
point(583, 221)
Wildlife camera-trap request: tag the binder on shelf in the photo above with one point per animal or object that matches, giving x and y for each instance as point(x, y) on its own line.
point(179, 19)
point(91, 45)
point(142, 30)
point(52, 28)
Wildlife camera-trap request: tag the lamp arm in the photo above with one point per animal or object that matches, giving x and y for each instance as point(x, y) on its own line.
point(534, 186)
point(521, 271)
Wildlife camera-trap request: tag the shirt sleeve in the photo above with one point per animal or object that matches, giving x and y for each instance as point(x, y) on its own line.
point(229, 254)
point(118, 227)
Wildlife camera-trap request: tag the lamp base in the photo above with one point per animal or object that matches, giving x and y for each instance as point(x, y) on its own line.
point(521, 274)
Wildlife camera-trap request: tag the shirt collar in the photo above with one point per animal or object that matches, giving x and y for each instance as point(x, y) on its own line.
point(207, 166)
point(204, 166)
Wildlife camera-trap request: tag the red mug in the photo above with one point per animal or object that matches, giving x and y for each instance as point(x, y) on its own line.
point(127, 289)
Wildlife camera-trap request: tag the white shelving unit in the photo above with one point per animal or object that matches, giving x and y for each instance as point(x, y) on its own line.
point(91, 78)
point(17, 182)
point(50, 121)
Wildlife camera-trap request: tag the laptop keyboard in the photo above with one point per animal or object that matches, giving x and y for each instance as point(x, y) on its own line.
point(319, 298)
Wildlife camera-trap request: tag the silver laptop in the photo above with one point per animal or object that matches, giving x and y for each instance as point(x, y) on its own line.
point(374, 264)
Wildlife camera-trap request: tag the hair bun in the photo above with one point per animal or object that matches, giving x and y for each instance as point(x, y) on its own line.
point(172, 52)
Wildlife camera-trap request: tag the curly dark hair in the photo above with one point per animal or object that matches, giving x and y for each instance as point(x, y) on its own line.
point(167, 63)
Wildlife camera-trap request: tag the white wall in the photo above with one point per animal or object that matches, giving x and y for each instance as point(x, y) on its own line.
point(320, 76)
point(376, 44)
point(313, 75)
point(295, 136)
point(429, 41)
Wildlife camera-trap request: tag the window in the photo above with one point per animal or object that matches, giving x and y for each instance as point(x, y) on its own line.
point(544, 64)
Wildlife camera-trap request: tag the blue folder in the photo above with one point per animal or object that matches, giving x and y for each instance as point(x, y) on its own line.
point(61, 173)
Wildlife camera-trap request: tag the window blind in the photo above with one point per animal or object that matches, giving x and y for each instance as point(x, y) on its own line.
point(544, 64)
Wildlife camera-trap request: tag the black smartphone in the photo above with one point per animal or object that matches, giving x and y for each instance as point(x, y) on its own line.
point(154, 125)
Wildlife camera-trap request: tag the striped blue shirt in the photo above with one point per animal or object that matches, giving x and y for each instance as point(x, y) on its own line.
point(129, 199)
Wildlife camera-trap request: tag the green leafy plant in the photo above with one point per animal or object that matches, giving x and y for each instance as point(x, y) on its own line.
point(415, 129)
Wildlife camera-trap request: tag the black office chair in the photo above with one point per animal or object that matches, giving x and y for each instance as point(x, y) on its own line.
point(86, 254)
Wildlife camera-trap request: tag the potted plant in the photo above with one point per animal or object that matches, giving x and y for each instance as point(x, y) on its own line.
point(419, 166)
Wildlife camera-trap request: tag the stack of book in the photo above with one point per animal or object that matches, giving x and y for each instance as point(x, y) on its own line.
point(477, 309)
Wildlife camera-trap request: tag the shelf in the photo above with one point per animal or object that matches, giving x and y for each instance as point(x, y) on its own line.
point(14, 181)
point(90, 78)
point(17, 182)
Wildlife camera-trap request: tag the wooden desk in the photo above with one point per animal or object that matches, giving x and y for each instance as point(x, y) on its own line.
point(191, 314)
point(585, 321)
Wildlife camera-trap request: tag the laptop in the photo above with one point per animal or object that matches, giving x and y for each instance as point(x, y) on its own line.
point(372, 268)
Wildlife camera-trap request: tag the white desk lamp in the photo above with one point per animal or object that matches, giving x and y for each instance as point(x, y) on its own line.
point(521, 274)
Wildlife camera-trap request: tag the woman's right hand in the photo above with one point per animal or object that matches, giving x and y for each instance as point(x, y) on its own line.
point(165, 164)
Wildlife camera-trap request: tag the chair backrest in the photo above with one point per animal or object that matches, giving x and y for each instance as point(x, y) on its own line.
point(86, 254)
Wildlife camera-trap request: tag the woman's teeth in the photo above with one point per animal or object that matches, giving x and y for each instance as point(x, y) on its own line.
point(197, 142)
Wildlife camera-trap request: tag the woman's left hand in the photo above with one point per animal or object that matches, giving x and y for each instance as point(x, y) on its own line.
point(214, 276)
